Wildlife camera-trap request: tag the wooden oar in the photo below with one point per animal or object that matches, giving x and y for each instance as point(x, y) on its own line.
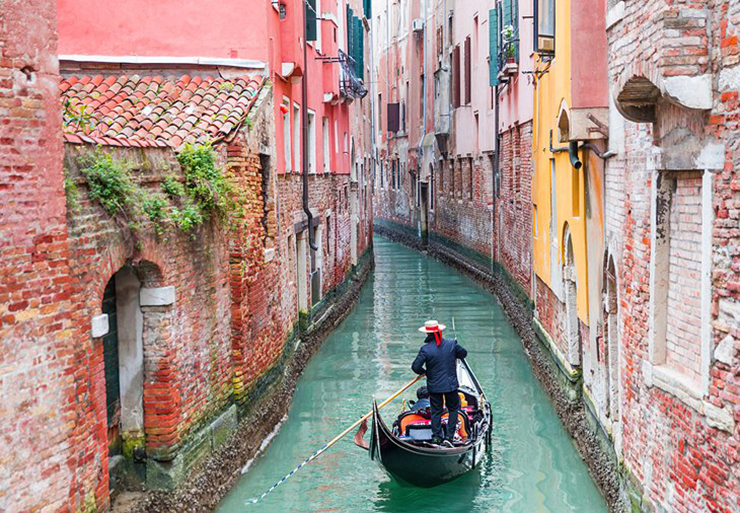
point(336, 439)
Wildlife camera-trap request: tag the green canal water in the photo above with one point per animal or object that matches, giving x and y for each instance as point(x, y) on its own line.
point(533, 465)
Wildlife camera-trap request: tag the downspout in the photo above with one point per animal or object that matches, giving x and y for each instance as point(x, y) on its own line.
point(496, 163)
point(304, 121)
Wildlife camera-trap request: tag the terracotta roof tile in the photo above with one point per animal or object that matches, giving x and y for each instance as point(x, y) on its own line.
point(155, 111)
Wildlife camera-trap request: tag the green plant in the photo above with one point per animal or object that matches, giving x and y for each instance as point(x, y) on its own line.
point(72, 194)
point(206, 190)
point(205, 183)
point(76, 117)
point(156, 207)
point(110, 183)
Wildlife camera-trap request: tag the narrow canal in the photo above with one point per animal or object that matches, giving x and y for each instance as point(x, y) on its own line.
point(533, 466)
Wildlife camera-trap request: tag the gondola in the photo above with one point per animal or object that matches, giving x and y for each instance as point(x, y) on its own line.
point(406, 452)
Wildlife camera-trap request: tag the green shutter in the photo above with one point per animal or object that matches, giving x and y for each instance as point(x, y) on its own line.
point(493, 46)
point(359, 33)
point(507, 12)
point(311, 32)
point(368, 4)
point(350, 26)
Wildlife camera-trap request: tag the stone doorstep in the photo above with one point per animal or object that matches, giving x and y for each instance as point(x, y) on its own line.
point(167, 475)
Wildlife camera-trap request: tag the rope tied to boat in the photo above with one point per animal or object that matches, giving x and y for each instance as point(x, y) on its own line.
point(341, 435)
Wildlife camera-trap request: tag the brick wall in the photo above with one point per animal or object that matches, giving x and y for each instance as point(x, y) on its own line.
point(460, 216)
point(680, 448)
point(514, 206)
point(683, 350)
point(42, 463)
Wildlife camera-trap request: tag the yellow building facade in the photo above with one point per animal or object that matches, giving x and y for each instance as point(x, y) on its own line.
point(558, 191)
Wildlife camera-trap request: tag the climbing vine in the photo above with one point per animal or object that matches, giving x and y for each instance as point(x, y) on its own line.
point(204, 191)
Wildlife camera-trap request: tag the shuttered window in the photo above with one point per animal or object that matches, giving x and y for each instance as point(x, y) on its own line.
point(468, 68)
point(394, 117)
point(311, 32)
point(356, 43)
point(493, 32)
point(456, 77)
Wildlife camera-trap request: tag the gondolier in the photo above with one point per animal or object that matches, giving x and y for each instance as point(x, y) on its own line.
point(437, 359)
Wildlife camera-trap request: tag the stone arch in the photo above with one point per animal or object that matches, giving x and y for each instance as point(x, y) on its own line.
point(134, 301)
point(641, 88)
point(570, 288)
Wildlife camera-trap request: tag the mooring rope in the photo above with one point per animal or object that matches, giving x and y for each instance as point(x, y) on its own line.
point(341, 435)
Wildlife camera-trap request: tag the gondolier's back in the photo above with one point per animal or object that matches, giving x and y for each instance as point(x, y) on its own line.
point(439, 362)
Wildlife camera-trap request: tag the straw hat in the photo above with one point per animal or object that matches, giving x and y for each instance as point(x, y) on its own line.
point(431, 327)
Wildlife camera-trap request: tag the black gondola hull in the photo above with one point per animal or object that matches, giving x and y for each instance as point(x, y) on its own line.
point(427, 467)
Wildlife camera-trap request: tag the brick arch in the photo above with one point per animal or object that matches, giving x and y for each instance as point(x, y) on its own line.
point(637, 91)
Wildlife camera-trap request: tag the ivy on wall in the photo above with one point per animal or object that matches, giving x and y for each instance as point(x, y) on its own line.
point(204, 191)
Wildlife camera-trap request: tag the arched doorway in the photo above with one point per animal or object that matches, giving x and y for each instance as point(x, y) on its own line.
point(611, 342)
point(123, 355)
point(570, 287)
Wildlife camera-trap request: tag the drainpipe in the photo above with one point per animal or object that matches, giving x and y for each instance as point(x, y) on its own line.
point(304, 121)
point(496, 164)
point(573, 154)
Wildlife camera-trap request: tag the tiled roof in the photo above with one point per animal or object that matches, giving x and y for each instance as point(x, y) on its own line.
point(155, 111)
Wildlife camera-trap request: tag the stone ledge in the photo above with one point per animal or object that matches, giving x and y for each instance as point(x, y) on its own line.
point(673, 383)
point(162, 296)
point(572, 374)
point(167, 475)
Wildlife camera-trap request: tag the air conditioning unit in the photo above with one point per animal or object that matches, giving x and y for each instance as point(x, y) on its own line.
point(417, 25)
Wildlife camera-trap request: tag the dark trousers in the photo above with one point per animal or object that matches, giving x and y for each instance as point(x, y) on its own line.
point(452, 401)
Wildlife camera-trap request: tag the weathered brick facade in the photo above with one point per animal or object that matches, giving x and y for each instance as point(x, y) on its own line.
point(44, 460)
point(672, 225)
point(513, 231)
point(201, 316)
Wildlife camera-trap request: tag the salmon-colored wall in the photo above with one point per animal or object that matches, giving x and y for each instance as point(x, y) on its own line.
point(223, 29)
point(589, 86)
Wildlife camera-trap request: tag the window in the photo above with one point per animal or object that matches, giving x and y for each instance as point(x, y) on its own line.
point(380, 112)
point(336, 137)
point(394, 117)
point(442, 176)
point(680, 332)
point(325, 138)
point(296, 138)
point(470, 171)
point(317, 43)
point(431, 189)
point(468, 71)
point(311, 141)
point(452, 178)
point(286, 136)
point(421, 97)
point(456, 77)
point(544, 27)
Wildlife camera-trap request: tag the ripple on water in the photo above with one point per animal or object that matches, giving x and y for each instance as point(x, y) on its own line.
point(533, 465)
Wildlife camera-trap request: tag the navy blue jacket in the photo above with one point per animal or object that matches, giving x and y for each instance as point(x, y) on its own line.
point(439, 363)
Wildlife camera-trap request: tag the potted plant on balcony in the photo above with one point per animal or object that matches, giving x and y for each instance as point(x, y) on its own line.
point(508, 36)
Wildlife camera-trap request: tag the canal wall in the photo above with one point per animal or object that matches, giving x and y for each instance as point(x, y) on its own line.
point(563, 385)
point(255, 419)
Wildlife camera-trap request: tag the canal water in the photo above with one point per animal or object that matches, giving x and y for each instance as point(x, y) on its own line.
point(533, 465)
